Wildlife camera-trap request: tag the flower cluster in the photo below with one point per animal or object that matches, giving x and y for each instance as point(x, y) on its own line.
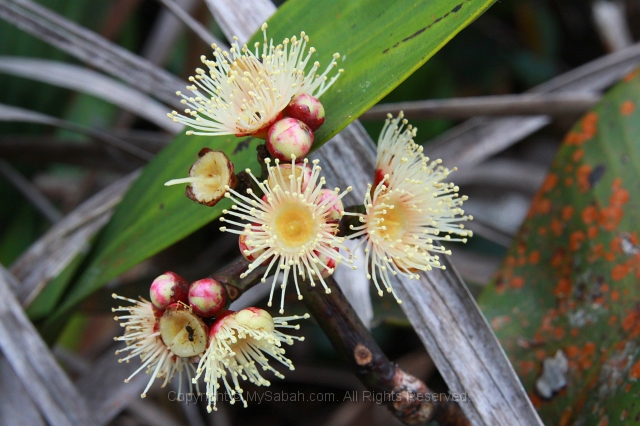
point(288, 224)
point(187, 324)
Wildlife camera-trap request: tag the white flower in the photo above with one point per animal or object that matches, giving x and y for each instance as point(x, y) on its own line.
point(142, 337)
point(244, 92)
point(238, 343)
point(407, 209)
point(291, 227)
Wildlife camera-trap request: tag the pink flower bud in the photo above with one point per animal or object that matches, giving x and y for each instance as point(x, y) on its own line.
point(330, 263)
point(246, 248)
point(255, 319)
point(168, 288)
point(289, 137)
point(307, 109)
point(301, 171)
point(335, 208)
point(207, 297)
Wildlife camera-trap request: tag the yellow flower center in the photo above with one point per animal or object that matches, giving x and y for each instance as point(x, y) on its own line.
point(395, 221)
point(295, 226)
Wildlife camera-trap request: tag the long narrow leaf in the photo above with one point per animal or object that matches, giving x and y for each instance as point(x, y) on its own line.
point(92, 83)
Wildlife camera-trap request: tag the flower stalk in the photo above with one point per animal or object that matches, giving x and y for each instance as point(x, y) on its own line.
point(356, 346)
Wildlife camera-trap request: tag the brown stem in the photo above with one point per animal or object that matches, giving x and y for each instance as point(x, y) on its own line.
point(407, 397)
point(230, 277)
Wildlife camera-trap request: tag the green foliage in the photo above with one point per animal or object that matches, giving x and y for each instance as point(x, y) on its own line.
point(569, 281)
point(380, 46)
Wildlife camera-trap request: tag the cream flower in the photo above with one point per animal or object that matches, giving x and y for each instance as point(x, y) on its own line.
point(407, 209)
point(238, 343)
point(244, 92)
point(291, 227)
point(143, 338)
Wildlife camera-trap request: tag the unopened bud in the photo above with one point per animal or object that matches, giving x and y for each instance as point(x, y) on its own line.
point(289, 137)
point(307, 109)
point(329, 262)
point(334, 204)
point(168, 288)
point(182, 331)
point(255, 318)
point(282, 177)
point(248, 250)
point(207, 297)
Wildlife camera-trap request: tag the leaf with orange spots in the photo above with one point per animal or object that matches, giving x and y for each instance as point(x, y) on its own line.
point(570, 279)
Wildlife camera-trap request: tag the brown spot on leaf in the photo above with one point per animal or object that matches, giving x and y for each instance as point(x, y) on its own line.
point(582, 174)
point(517, 282)
point(563, 288)
point(627, 108)
point(576, 240)
point(550, 182)
point(620, 271)
point(634, 373)
point(534, 257)
point(589, 214)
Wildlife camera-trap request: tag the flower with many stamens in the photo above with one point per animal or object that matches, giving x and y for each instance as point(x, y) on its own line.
point(238, 343)
point(408, 209)
point(289, 227)
point(165, 345)
point(244, 92)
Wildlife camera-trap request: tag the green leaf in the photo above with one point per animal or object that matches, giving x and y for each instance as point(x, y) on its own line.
point(380, 46)
point(570, 279)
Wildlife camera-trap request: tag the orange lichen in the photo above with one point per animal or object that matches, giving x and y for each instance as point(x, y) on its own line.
point(620, 271)
point(631, 323)
point(589, 214)
point(577, 155)
point(568, 181)
point(558, 258)
point(572, 351)
point(567, 212)
point(576, 240)
point(550, 182)
point(592, 232)
point(534, 257)
point(615, 295)
point(619, 197)
point(627, 108)
point(612, 320)
point(542, 205)
point(526, 367)
point(558, 333)
point(582, 174)
point(629, 77)
point(634, 373)
point(563, 288)
point(610, 217)
point(517, 282)
point(565, 419)
point(590, 124)
point(556, 227)
point(542, 231)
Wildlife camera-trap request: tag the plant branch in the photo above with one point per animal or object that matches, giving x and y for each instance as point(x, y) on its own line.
point(505, 105)
point(407, 397)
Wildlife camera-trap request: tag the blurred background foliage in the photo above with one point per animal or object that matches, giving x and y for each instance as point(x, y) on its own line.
point(512, 47)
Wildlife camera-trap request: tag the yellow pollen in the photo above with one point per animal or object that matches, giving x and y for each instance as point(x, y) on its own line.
point(394, 222)
point(294, 226)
